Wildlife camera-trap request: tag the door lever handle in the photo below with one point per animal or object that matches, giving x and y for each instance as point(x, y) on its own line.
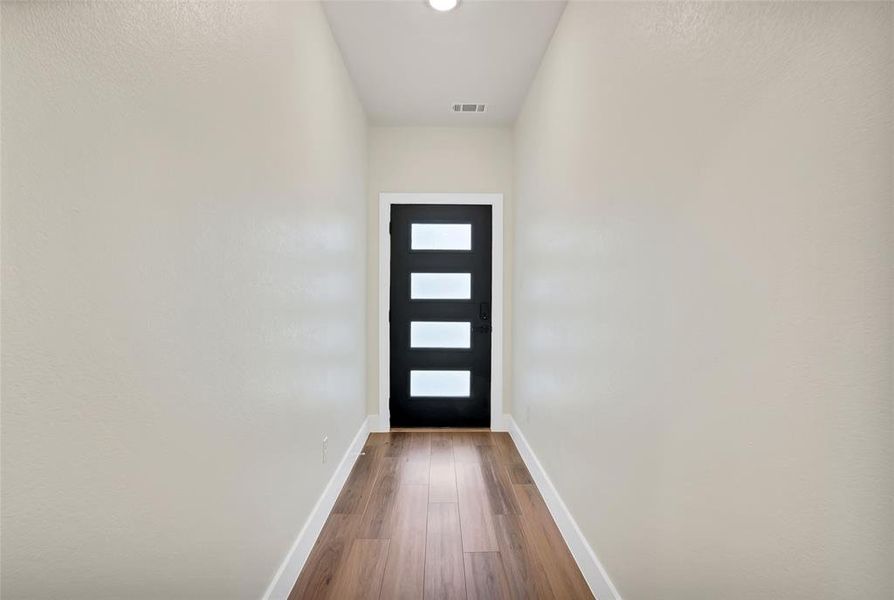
point(484, 311)
point(483, 328)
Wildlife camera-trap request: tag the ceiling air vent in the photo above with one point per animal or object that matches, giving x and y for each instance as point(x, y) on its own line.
point(468, 108)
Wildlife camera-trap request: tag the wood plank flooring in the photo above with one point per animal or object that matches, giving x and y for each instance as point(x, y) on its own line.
point(438, 514)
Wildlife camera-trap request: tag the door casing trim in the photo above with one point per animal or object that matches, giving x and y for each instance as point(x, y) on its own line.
point(495, 200)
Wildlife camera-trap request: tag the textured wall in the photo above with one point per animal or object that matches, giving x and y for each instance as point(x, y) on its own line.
point(184, 242)
point(437, 159)
point(703, 294)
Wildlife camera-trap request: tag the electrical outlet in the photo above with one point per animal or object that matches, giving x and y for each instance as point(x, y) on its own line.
point(325, 448)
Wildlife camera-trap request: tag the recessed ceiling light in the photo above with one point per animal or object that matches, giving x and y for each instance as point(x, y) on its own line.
point(443, 5)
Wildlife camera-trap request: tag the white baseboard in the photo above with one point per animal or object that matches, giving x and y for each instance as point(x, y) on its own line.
point(501, 424)
point(589, 564)
point(291, 566)
point(378, 424)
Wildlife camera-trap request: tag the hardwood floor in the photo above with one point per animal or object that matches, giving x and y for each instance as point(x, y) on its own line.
point(440, 515)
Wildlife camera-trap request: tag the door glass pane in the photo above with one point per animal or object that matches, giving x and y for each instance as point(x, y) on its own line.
point(441, 236)
point(440, 286)
point(440, 334)
point(453, 384)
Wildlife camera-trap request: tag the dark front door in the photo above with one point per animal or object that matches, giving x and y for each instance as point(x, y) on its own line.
point(440, 315)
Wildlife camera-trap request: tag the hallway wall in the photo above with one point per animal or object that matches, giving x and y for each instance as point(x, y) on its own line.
point(436, 159)
point(703, 293)
point(184, 229)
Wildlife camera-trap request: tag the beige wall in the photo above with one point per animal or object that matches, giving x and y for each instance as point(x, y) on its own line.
point(184, 230)
point(436, 159)
point(703, 293)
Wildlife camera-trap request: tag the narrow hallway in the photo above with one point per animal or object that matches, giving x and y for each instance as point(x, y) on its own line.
point(440, 514)
point(447, 299)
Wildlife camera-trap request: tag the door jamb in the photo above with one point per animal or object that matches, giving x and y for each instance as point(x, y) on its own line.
point(495, 200)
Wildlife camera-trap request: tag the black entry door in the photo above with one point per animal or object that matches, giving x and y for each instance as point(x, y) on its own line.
point(440, 315)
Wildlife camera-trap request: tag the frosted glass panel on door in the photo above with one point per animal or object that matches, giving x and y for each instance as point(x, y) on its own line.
point(438, 384)
point(440, 286)
point(441, 236)
point(440, 334)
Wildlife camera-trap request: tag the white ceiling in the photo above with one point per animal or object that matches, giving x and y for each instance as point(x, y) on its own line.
point(410, 63)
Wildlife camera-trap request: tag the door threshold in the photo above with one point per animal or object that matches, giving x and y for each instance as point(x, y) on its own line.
point(437, 429)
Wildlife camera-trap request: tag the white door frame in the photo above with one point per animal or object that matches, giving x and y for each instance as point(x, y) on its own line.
point(386, 199)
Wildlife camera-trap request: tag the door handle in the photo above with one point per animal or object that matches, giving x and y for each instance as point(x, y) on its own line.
point(484, 311)
point(483, 328)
